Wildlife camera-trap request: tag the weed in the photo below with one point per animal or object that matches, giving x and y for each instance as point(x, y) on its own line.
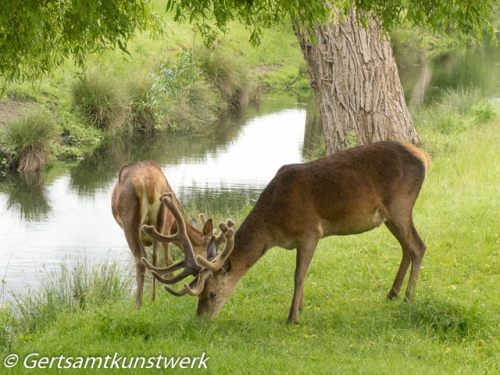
point(29, 139)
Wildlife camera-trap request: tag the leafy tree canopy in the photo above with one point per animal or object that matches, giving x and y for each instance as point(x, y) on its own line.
point(37, 35)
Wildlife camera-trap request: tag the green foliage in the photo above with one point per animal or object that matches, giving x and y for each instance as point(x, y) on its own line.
point(100, 99)
point(462, 17)
point(195, 105)
point(352, 140)
point(461, 99)
point(172, 77)
point(449, 124)
point(29, 139)
point(36, 37)
point(143, 105)
point(67, 289)
point(456, 111)
point(483, 112)
point(229, 76)
point(288, 79)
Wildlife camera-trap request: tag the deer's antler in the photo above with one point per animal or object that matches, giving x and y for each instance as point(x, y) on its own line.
point(220, 238)
point(216, 264)
point(191, 267)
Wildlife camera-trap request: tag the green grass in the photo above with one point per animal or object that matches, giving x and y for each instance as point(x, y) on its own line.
point(99, 98)
point(28, 139)
point(347, 326)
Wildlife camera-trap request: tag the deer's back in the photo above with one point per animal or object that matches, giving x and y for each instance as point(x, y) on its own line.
point(345, 193)
point(138, 189)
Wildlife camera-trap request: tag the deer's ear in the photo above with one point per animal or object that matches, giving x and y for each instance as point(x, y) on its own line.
point(208, 229)
point(194, 224)
point(212, 248)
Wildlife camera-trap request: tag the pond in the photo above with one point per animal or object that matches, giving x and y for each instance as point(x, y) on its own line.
point(65, 213)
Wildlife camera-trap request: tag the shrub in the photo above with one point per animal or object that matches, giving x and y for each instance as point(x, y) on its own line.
point(143, 106)
point(195, 105)
point(229, 77)
point(482, 112)
point(287, 79)
point(449, 124)
point(100, 100)
point(29, 138)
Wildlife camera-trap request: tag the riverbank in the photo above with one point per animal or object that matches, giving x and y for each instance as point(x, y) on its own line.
point(172, 83)
point(346, 325)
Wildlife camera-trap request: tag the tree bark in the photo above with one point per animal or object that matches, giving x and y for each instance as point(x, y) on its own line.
point(356, 82)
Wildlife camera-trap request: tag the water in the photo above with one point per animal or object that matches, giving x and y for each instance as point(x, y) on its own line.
point(66, 212)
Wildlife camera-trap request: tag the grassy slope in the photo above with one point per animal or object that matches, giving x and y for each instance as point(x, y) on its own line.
point(346, 326)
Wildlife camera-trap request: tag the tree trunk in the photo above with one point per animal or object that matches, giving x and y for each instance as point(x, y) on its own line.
point(355, 79)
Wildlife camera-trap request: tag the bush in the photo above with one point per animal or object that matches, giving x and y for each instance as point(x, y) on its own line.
point(195, 105)
point(100, 100)
point(289, 79)
point(29, 138)
point(225, 72)
point(482, 112)
point(449, 124)
point(143, 108)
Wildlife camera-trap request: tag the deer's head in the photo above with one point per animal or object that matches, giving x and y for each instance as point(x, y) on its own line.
point(212, 284)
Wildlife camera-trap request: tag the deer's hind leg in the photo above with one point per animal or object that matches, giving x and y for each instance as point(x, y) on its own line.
point(133, 236)
point(413, 248)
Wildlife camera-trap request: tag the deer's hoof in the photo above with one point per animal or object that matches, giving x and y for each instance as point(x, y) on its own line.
point(392, 296)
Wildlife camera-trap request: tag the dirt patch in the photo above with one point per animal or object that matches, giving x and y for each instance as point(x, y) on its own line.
point(11, 109)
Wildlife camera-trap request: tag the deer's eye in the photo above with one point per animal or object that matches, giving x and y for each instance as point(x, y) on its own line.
point(213, 294)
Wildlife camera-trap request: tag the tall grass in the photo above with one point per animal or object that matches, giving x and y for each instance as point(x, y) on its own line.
point(195, 106)
point(456, 111)
point(230, 77)
point(28, 138)
point(74, 286)
point(99, 98)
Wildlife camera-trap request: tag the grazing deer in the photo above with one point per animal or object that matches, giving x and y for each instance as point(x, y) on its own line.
point(349, 192)
point(135, 202)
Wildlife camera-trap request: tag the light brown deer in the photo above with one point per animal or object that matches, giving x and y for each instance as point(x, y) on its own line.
point(349, 192)
point(136, 202)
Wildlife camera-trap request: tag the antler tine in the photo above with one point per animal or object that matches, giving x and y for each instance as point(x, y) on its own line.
point(185, 273)
point(168, 200)
point(171, 268)
point(181, 292)
point(220, 237)
point(199, 285)
point(203, 219)
point(218, 261)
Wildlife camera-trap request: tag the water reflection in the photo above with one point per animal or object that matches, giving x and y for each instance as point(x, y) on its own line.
point(479, 67)
point(27, 197)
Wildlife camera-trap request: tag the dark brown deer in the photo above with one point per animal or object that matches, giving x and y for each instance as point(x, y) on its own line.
point(136, 202)
point(349, 192)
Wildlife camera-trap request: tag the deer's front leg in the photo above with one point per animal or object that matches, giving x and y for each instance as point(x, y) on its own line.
point(305, 252)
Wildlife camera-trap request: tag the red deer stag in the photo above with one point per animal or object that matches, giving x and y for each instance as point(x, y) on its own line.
point(349, 192)
point(136, 202)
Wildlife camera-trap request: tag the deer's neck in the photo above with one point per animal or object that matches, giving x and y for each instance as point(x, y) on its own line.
point(250, 243)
